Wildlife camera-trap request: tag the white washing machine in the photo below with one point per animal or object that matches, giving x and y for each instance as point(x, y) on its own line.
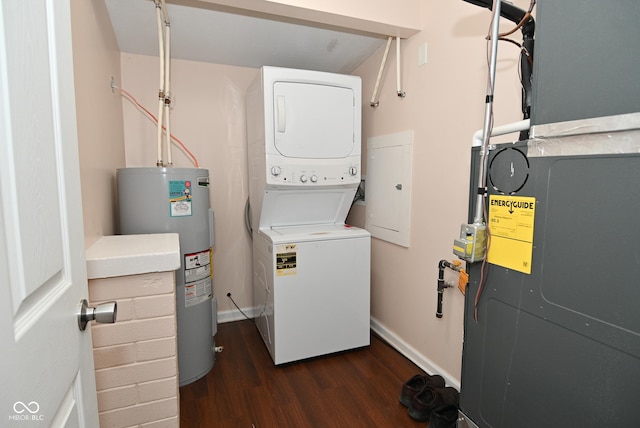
point(312, 290)
point(311, 271)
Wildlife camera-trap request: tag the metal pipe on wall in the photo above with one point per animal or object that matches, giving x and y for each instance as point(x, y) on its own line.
point(488, 112)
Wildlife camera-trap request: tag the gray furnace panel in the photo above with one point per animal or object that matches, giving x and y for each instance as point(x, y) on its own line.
point(560, 347)
point(587, 58)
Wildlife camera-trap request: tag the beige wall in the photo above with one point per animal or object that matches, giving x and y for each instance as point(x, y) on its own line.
point(444, 106)
point(99, 114)
point(208, 117)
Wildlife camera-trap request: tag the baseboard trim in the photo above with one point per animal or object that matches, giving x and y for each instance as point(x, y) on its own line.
point(412, 354)
point(378, 328)
point(235, 315)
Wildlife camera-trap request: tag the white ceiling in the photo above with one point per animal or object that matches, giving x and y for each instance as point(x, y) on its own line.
point(223, 37)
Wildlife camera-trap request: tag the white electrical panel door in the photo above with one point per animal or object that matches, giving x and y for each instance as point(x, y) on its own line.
point(313, 121)
point(389, 176)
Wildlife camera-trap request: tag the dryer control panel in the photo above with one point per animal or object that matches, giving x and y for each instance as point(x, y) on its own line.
point(284, 172)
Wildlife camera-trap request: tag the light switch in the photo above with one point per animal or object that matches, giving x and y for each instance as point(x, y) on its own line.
point(422, 54)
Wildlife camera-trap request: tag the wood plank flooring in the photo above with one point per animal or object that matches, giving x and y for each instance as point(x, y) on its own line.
point(358, 388)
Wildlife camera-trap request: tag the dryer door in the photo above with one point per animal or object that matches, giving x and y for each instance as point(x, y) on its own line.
point(313, 121)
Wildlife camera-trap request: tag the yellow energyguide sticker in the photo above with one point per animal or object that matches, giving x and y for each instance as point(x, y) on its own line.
point(510, 226)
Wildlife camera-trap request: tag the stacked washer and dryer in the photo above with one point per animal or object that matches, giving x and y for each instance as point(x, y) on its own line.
point(311, 271)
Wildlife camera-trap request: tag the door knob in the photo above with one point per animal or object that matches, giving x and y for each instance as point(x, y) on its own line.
point(102, 313)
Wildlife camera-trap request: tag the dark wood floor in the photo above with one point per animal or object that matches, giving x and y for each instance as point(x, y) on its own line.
point(358, 388)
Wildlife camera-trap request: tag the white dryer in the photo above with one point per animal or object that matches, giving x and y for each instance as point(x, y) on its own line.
point(311, 271)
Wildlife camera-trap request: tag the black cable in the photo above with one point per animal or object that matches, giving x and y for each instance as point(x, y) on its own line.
point(247, 218)
point(234, 303)
point(359, 195)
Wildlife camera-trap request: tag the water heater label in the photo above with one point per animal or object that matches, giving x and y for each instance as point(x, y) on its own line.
point(197, 266)
point(197, 277)
point(286, 259)
point(180, 198)
point(511, 221)
point(197, 292)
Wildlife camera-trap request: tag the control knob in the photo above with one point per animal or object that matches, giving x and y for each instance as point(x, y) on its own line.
point(303, 178)
point(314, 178)
point(353, 171)
point(275, 171)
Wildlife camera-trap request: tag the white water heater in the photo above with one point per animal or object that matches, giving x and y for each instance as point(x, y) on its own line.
point(176, 200)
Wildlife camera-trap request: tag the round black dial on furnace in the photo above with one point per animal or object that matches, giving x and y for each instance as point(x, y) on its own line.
point(508, 171)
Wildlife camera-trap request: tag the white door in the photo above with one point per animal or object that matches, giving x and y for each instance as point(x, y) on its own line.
point(46, 362)
point(313, 120)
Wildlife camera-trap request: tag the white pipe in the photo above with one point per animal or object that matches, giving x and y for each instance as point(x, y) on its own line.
point(399, 90)
point(160, 162)
point(167, 90)
point(521, 125)
point(159, 20)
point(373, 102)
point(165, 13)
point(164, 97)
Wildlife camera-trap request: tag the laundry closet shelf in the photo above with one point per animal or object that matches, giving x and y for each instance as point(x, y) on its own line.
point(121, 255)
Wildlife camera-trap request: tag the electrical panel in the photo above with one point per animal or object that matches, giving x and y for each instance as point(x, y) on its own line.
point(389, 176)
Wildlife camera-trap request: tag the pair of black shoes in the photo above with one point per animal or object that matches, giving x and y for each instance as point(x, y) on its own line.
point(429, 400)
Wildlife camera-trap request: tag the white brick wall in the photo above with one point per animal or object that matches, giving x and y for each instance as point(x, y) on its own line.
point(136, 358)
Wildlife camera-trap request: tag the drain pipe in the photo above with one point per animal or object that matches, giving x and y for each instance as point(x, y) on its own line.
point(442, 265)
point(373, 102)
point(522, 125)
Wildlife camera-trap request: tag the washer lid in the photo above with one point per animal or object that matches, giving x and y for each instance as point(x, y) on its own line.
point(314, 233)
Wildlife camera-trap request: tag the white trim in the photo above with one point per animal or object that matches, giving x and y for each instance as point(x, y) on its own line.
point(235, 315)
point(412, 354)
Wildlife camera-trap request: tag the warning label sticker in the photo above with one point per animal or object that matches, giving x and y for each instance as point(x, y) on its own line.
point(197, 292)
point(180, 198)
point(197, 277)
point(197, 265)
point(286, 259)
point(511, 221)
